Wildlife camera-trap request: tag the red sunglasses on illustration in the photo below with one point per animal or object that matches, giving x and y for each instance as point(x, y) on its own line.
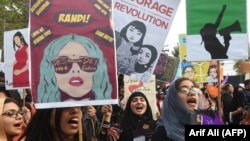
point(63, 64)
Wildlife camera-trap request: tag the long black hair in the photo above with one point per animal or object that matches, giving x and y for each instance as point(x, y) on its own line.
point(141, 68)
point(138, 25)
point(39, 128)
point(20, 35)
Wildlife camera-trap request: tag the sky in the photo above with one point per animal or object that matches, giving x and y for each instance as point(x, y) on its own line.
point(179, 25)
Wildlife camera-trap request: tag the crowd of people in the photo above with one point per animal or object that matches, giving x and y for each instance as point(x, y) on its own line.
point(179, 104)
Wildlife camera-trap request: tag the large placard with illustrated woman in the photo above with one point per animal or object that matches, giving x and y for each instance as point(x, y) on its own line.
point(141, 28)
point(72, 53)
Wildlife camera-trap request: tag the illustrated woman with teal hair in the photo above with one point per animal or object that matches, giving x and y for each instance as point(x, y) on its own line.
point(73, 68)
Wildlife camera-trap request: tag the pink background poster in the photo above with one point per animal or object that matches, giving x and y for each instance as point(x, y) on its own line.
point(72, 53)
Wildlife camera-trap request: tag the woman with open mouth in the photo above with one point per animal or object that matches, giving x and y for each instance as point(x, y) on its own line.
point(180, 109)
point(11, 119)
point(54, 124)
point(138, 123)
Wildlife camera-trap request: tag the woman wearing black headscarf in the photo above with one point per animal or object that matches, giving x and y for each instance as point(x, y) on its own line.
point(138, 122)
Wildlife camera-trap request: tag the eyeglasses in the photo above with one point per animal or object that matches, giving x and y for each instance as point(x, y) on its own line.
point(63, 64)
point(13, 113)
point(187, 90)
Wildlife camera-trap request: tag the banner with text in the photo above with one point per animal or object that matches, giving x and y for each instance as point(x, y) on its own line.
point(72, 52)
point(141, 28)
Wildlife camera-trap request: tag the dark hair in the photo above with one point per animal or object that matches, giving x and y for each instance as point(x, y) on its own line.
point(121, 80)
point(11, 100)
point(236, 102)
point(142, 68)
point(212, 67)
point(28, 97)
point(3, 90)
point(2, 75)
point(138, 25)
point(226, 86)
point(27, 104)
point(246, 82)
point(20, 35)
point(205, 93)
point(39, 128)
point(203, 89)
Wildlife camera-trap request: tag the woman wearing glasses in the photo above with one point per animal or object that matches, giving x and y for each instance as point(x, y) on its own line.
point(11, 119)
point(180, 109)
point(73, 68)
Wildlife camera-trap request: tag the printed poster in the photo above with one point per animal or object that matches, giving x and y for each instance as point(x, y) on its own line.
point(166, 68)
point(216, 30)
point(141, 28)
point(200, 71)
point(72, 52)
point(17, 59)
point(132, 85)
point(206, 74)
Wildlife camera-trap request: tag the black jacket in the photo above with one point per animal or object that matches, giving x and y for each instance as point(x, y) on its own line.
point(160, 135)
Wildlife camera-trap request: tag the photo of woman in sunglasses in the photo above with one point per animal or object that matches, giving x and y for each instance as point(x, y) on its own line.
point(73, 68)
